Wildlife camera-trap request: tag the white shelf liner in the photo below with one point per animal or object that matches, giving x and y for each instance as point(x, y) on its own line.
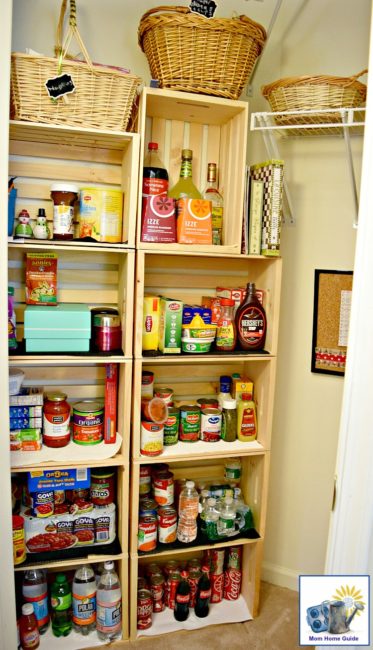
point(228, 611)
point(73, 641)
point(201, 448)
point(69, 454)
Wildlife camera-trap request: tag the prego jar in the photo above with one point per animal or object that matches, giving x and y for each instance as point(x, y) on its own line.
point(56, 420)
point(64, 197)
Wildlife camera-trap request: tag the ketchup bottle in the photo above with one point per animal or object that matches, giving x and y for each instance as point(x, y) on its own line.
point(28, 628)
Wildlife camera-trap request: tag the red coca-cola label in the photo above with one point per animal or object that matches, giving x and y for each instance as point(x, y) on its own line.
point(193, 584)
point(182, 599)
point(205, 594)
point(217, 587)
point(157, 591)
point(232, 584)
point(172, 587)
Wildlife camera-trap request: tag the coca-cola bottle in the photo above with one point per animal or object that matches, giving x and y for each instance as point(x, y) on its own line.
point(201, 608)
point(181, 611)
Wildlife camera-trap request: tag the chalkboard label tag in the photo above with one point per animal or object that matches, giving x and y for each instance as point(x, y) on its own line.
point(204, 7)
point(58, 86)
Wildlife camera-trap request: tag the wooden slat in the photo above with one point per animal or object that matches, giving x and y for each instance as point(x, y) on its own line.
point(177, 142)
point(66, 277)
point(91, 296)
point(65, 152)
point(64, 172)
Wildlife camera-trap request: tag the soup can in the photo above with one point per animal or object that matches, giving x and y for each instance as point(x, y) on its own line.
point(147, 384)
point(148, 507)
point(147, 533)
point(167, 525)
point(164, 393)
point(163, 488)
point(145, 485)
point(88, 422)
point(151, 441)
point(171, 426)
point(190, 423)
point(211, 425)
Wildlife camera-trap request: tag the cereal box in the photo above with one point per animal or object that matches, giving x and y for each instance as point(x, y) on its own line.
point(41, 279)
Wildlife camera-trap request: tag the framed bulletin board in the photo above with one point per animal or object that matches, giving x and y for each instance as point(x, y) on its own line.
point(331, 317)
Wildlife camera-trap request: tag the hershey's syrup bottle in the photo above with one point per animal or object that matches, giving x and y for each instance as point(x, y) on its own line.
point(182, 598)
point(251, 321)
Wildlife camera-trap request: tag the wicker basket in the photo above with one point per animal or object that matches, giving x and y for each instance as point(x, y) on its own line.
point(213, 56)
point(314, 93)
point(103, 96)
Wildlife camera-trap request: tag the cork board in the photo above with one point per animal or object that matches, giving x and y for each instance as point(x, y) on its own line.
point(331, 315)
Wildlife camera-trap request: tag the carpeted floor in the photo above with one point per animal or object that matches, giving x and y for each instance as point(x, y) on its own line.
point(276, 628)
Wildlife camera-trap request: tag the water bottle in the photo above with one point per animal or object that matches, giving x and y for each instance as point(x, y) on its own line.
point(209, 525)
point(227, 518)
point(188, 513)
point(84, 600)
point(35, 591)
point(244, 515)
point(109, 605)
point(61, 606)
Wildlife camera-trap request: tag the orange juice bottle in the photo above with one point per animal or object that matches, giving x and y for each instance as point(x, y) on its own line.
point(246, 419)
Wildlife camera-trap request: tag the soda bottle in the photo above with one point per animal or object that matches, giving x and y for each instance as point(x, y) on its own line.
point(188, 513)
point(181, 611)
point(155, 176)
point(109, 605)
point(35, 591)
point(201, 608)
point(28, 628)
point(61, 606)
point(84, 600)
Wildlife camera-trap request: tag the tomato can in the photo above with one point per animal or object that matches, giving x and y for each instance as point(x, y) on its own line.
point(151, 442)
point(217, 587)
point(207, 403)
point(42, 503)
point(88, 422)
point(19, 545)
point(145, 480)
point(167, 525)
point(164, 393)
point(171, 426)
point(147, 534)
point(157, 592)
point(211, 425)
point(190, 423)
point(163, 488)
point(102, 487)
point(144, 609)
point(232, 584)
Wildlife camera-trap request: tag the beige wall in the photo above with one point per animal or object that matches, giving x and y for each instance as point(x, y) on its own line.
point(309, 37)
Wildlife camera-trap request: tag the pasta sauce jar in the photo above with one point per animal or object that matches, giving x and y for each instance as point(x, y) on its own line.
point(56, 420)
point(64, 196)
point(102, 487)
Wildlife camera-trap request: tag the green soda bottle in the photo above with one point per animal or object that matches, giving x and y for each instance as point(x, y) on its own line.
point(61, 602)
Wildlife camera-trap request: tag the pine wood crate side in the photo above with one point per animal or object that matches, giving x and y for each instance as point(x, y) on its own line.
point(95, 278)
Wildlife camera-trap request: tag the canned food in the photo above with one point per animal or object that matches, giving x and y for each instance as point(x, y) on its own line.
point(59, 497)
point(148, 506)
point(163, 488)
point(167, 525)
point(145, 480)
point(104, 524)
point(147, 384)
point(144, 609)
point(157, 592)
point(171, 426)
point(207, 403)
point(147, 535)
point(42, 503)
point(164, 393)
point(79, 493)
point(232, 584)
point(84, 530)
point(151, 443)
point(19, 545)
point(154, 409)
point(141, 583)
point(210, 425)
point(153, 569)
point(172, 583)
point(217, 587)
point(102, 487)
point(190, 423)
point(88, 422)
point(216, 559)
point(234, 557)
point(170, 567)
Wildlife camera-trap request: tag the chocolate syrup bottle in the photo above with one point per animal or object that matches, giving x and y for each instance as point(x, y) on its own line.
point(251, 321)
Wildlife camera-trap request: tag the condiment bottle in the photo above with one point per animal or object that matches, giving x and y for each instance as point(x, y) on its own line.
point(226, 328)
point(229, 420)
point(56, 420)
point(28, 628)
point(251, 321)
point(246, 419)
point(64, 196)
point(211, 193)
point(185, 188)
point(225, 389)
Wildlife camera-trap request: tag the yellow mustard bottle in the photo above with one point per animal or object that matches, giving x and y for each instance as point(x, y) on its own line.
point(246, 419)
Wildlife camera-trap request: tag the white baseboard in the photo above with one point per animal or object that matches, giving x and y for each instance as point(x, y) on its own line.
point(280, 576)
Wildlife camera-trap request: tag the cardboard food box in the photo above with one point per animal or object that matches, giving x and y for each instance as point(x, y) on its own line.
point(65, 328)
point(150, 323)
point(170, 323)
point(241, 386)
point(158, 219)
point(194, 224)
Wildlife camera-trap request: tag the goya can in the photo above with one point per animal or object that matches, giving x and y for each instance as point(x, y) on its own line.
point(147, 534)
point(167, 525)
point(42, 503)
point(102, 487)
point(151, 442)
point(171, 426)
point(211, 425)
point(144, 609)
point(88, 422)
point(190, 423)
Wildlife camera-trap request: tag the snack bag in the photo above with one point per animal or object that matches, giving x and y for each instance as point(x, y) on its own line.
point(41, 279)
point(12, 334)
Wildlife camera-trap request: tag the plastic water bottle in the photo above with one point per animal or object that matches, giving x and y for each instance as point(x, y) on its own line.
point(84, 600)
point(109, 605)
point(35, 591)
point(227, 518)
point(188, 513)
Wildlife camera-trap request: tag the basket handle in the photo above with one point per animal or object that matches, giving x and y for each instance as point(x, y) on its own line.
point(359, 74)
point(63, 45)
point(179, 10)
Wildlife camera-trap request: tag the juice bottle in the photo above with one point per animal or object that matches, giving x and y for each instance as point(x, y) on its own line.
point(226, 329)
point(28, 628)
point(246, 419)
point(251, 321)
point(185, 187)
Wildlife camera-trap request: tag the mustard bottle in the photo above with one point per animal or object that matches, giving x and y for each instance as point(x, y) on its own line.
point(246, 419)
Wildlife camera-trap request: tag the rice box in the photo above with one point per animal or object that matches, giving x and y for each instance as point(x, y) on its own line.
point(170, 322)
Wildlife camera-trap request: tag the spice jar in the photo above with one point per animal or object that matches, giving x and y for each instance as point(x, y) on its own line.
point(107, 331)
point(64, 196)
point(56, 420)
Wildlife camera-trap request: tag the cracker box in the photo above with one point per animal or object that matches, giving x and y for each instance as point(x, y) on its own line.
point(170, 322)
point(194, 224)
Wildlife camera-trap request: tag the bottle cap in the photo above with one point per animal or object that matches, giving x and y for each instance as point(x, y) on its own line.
point(228, 501)
point(205, 493)
point(184, 573)
point(109, 565)
point(189, 484)
point(27, 609)
point(229, 403)
point(64, 187)
point(211, 501)
point(206, 568)
point(153, 146)
point(187, 154)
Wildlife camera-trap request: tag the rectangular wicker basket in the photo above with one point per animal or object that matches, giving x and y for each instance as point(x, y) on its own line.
point(103, 97)
point(191, 53)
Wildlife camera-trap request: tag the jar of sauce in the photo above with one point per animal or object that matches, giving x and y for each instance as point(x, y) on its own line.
point(107, 331)
point(64, 196)
point(56, 420)
point(102, 487)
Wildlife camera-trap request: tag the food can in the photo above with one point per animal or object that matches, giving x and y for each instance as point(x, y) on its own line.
point(157, 592)
point(147, 535)
point(210, 425)
point(193, 579)
point(217, 587)
point(167, 525)
point(144, 609)
point(190, 423)
point(148, 506)
point(141, 583)
point(153, 569)
point(171, 426)
point(145, 480)
point(104, 518)
point(19, 545)
point(170, 567)
point(102, 487)
point(42, 503)
point(147, 384)
point(172, 583)
point(100, 214)
point(234, 557)
point(59, 497)
point(84, 529)
point(88, 422)
point(151, 443)
point(163, 488)
point(207, 403)
point(232, 584)
point(164, 393)
point(216, 559)
point(79, 493)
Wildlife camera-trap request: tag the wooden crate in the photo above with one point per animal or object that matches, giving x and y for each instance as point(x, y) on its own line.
point(188, 278)
point(100, 277)
point(248, 601)
point(42, 154)
point(201, 379)
point(216, 131)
